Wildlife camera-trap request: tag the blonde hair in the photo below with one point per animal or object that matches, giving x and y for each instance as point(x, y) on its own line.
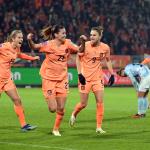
point(99, 29)
point(13, 35)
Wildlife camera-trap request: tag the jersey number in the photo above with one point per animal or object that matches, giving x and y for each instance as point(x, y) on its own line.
point(61, 58)
point(93, 59)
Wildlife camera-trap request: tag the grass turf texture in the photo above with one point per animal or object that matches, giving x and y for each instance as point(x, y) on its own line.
point(123, 132)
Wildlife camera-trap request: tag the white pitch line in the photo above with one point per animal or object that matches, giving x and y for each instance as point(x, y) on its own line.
point(36, 146)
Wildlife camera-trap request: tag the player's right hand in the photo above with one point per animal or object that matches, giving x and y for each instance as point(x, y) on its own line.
point(82, 79)
point(30, 36)
point(83, 38)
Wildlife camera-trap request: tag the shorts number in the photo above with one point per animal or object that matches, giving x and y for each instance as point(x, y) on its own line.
point(66, 85)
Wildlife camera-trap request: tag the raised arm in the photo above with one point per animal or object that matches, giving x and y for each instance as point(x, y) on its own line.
point(27, 57)
point(83, 39)
point(31, 43)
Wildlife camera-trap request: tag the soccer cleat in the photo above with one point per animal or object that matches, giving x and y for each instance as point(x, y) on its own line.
point(100, 130)
point(28, 127)
point(138, 116)
point(72, 120)
point(56, 133)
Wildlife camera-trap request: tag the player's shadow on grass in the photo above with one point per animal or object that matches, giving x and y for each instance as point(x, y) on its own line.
point(108, 135)
point(118, 118)
point(10, 128)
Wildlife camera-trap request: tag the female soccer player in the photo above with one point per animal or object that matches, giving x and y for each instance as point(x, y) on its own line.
point(54, 69)
point(139, 75)
point(9, 51)
point(91, 77)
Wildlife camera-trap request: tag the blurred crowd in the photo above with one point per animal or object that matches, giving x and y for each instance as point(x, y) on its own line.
point(126, 22)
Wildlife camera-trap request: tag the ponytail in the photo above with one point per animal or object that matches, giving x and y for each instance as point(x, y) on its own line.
point(46, 33)
point(49, 32)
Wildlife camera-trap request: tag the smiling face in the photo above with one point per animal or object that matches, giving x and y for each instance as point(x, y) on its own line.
point(95, 37)
point(61, 35)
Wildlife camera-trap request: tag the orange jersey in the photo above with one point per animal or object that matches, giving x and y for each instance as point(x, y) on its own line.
point(91, 66)
point(146, 61)
point(54, 66)
point(7, 57)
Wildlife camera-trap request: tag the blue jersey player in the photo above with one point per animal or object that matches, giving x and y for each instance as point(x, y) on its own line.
point(139, 75)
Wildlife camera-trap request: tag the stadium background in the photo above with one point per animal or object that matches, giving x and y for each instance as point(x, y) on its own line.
point(126, 30)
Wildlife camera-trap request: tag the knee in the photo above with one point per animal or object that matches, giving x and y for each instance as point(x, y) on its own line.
point(83, 105)
point(52, 110)
point(16, 100)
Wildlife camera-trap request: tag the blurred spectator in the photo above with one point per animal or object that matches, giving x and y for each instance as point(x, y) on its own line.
point(126, 23)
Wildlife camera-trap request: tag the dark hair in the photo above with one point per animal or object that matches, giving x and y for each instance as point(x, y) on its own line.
point(13, 35)
point(99, 29)
point(119, 72)
point(48, 33)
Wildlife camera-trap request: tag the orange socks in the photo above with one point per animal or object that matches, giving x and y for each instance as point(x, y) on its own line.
point(20, 113)
point(59, 117)
point(99, 114)
point(77, 109)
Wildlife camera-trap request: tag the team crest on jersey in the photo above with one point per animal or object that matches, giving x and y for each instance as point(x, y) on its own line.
point(49, 92)
point(67, 50)
point(82, 87)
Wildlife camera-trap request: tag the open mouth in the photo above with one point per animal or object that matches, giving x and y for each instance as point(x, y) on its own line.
point(20, 42)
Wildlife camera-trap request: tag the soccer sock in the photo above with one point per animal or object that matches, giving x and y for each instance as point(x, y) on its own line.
point(59, 117)
point(145, 101)
point(78, 108)
point(20, 113)
point(140, 105)
point(99, 114)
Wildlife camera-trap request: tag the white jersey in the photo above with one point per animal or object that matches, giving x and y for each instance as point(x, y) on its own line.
point(138, 73)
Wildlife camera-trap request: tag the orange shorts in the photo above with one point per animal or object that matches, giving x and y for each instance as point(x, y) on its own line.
point(91, 85)
point(6, 85)
point(52, 89)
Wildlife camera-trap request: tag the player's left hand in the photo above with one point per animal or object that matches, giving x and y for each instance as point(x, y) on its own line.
point(111, 80)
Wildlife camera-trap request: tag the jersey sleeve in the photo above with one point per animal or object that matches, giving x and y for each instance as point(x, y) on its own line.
point(25, 56)
point(45, 47)
point(73, 47)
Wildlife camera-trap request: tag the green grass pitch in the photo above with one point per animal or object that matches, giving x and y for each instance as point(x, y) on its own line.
point(123, 132)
